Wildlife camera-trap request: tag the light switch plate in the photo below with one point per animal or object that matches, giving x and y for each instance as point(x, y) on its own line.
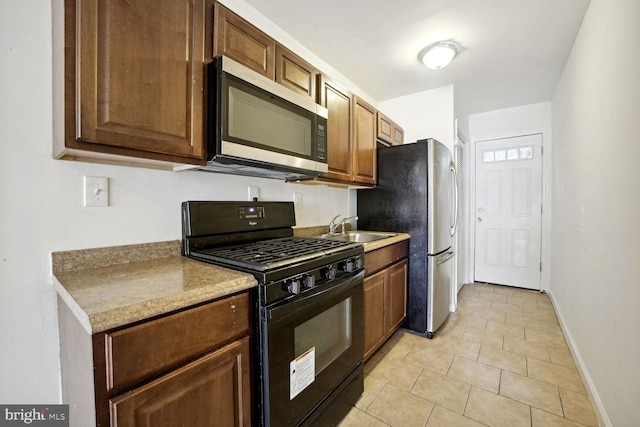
point(254, 193)
point(96, 191)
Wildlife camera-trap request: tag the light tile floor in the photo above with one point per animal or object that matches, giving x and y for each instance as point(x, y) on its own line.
point(500, 360)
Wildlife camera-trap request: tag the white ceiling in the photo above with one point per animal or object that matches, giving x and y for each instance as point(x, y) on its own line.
point(513, 51)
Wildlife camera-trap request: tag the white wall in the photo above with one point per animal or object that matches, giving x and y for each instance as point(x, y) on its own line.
point(523, 120)
point(426, 114)
point(41, 205)
point(595, 271)
point(510, 121)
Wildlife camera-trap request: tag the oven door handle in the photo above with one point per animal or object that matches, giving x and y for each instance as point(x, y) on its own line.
point(346, 284)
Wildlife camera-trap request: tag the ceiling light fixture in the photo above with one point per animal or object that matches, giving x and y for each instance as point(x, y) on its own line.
point(439, 54)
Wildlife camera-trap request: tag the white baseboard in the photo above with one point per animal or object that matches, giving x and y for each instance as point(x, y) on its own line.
point(598, 407)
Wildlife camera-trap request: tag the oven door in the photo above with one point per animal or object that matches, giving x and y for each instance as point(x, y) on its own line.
point(313, 344)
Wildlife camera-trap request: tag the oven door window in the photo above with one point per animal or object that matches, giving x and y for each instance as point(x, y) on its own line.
point(313, 344)
point(329, 334)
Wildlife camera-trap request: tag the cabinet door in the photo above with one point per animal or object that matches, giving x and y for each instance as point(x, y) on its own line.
point(239, 40)
point(384, 129)
point(364, 139)
point(138, 75)
point(339, 153)
point(396, 296)
point(295, 73)
point(398, 135)
point(212, 391)
point(374, 316)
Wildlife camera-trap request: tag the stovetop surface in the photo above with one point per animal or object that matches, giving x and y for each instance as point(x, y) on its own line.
point(269, 254)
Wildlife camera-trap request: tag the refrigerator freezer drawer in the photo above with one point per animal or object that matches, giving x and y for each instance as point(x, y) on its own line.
point(439, 289)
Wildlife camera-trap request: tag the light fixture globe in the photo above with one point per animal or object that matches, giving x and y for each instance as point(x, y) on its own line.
point(438, 55)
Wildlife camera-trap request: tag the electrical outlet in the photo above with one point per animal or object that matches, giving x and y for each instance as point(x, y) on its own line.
point(254, 193)
point(96, 191)
point(297, 199)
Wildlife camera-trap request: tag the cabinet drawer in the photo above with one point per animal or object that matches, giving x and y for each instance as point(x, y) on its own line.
point(136, 353)
point(214, 390)
point(383, 257)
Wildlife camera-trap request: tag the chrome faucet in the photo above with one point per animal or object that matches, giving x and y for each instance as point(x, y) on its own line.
point(333, 225)
point(344, 220)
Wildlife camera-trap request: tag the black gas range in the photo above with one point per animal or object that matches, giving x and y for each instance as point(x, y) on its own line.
point(309, 336)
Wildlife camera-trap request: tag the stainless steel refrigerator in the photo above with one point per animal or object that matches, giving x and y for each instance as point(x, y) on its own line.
point(416, 194)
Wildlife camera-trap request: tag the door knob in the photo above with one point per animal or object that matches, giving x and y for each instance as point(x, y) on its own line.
point(479, 219)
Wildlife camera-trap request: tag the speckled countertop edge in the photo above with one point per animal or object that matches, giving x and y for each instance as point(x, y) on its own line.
point(104, 297)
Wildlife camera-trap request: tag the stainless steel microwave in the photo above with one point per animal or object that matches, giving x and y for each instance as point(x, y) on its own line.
point(257, 127)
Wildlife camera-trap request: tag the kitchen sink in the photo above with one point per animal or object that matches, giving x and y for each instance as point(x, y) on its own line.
point(358, 236)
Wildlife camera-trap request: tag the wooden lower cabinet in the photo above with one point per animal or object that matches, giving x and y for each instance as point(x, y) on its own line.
point(385, 295)
point(374, 322)
point(396, 294)
point(187, 368)
point(212, 391)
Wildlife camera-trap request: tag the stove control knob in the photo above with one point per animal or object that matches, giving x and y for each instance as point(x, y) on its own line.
point(329, 273)
point(358, 262)
point(309, 281)
point(347, 266)
point(294, 287)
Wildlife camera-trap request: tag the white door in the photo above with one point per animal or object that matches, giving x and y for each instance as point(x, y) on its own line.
point(508, 211)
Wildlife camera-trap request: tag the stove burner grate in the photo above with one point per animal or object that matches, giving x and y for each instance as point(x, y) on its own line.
point(272, 253)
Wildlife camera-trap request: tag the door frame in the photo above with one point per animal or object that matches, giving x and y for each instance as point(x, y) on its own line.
point(545, 249)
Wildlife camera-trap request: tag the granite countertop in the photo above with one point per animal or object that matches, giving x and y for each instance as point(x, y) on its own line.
point(377, 244)
point(111, 287)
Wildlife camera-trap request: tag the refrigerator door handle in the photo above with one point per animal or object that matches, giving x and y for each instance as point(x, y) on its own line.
point(454, 226)
point(445, 257)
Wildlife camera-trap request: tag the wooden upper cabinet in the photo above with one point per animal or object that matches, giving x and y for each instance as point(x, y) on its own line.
point(364, 139)
point(239, 40)
point(398, 135)
point(135, 78)
point(384, 128)
point(338, 102)
point(295, 73)
point(388, 132)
